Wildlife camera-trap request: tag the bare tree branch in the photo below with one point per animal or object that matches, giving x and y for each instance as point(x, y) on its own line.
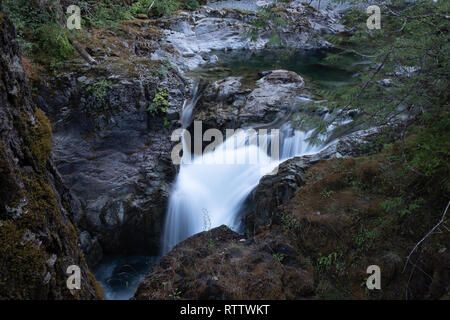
point(441, 221)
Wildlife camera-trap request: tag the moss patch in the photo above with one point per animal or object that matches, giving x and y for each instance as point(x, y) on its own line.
point(10, 192)
point(22, 265)
point(37, 138)
point(41, 144)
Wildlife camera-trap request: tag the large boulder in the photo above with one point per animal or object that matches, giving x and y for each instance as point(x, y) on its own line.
point(275, 95)
point(219, 104)
point(226, 105)
point(272, 191)
point(263, 204)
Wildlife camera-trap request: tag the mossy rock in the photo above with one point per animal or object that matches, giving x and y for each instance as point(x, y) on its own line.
point(22, 266)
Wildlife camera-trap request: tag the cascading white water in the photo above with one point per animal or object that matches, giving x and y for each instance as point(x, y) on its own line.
point(188, 106)
point(208, 193)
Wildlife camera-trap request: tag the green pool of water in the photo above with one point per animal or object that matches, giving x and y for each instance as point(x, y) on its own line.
point(308, 63)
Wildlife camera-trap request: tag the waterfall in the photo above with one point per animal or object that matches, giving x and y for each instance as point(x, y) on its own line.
point(208, 193)
point(189, 105)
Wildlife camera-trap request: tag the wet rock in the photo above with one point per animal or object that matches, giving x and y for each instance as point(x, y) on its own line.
point(219, 103)
point(351, 145)
point(276, 94)
point(272, 191)
point(224, 105)
point(92, 249)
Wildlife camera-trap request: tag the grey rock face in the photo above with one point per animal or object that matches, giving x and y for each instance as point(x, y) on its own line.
point(114, 154)
point(276, 93)
point(225, 105)
point(194, 35)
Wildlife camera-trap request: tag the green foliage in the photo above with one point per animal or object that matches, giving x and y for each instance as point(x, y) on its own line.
point(191, 4)
point(429, 152)
point(160, 102)
point(39, 33)
point(163, 7)
point(211, 244)
point(324, 263)
point(412, 50)
point(42, 34)
point(279, 257)
point(176, 294)
point(166, 123)
point(365, 239)
point(421, 44)
point(100, 90)
point(326, 194)
point(397, 205)
point(54, 42)
point(162, 69)
point(268, 18)
point(104, 14)
point(158, 7)
point(288, 223)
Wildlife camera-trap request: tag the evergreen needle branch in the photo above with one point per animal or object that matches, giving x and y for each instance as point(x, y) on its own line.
point(363, 88)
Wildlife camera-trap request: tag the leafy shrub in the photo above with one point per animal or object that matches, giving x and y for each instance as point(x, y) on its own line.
point(39, 33)
point(100, 90)
point(106, 14)
point(430, 150)
point(157, 7)
point(191, 4)
point(54, 43)
point(160, 102)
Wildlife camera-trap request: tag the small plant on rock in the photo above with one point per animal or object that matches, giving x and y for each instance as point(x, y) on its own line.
point(288, 223)
point(160, 102)
point(100, 90)
point(176, 294)
point(279, 257)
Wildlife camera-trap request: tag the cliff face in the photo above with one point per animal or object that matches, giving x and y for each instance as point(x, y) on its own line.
point(37, 238)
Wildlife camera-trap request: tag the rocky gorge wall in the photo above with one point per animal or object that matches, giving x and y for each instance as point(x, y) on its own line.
point(38, 240)
point(113, 153)
point(111, 147)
